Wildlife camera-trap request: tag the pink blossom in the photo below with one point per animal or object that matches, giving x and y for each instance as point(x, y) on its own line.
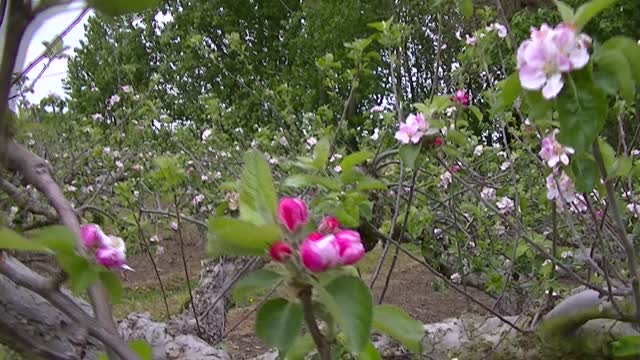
point(412, 129)
point(280, 251)
point(547, 54)
point(560, 188)
point(329, 225)
point(600, 214)
point(110, 258)
point(488, 193)
point(471, 40)
point(505, 205)
point(320, 253)
point(292, 213)
point(455, 168)
point(446, 179)
point(174, 226)
point(634, 209)
point(437, 142)
point(377, 109)
point(91, 235)
point(552, 152)
point(206, 134)
point(461, 97)
point(114, 100)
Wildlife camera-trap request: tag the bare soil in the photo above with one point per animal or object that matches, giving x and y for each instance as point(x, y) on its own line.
point(411, 287)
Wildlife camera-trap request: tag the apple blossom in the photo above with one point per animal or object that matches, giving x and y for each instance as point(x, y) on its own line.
point(560, 188)
point(552, 152)
point(547, 54)
point(634, 209)
point(446, 179)
point(455, 168)
point(412, 129)
point(320, 253)
point(456, 278)
point(312, 141)
point(292, 213)
point(477, 151)
point(110, 258)
point(461, 97)
point(376, 134)
point(206, 134)
point(174, 226)
point(97, 117)
point(114, 100)
point(377, 109)
point(280, 251)
point(329, 225)
point(488, 193)
point(471, 40)
point(91, 235)
point(505, 205)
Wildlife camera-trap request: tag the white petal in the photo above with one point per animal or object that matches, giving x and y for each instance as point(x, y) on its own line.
point(553, 86)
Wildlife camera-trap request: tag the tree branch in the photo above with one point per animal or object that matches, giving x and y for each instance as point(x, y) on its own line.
point(36, 171)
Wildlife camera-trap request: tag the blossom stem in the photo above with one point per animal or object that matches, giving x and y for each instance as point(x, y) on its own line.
point(620, 228)
point(307, 307)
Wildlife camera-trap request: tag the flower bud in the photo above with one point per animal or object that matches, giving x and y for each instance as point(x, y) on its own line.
point(280, 251)
point(329, 225)
point(110, 258)
point(461, 97)
point(321, 254)
point(455, 168)
point(292, 213)
point(437, 142)
point(91, 235)
point(350, 247)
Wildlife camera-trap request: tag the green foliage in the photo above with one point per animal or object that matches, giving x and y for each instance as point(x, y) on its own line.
point(582, 113)
point(258, 199)
point(349, 301)
point(398, 324)
point(121, 7)
point(278, 323)
point(113, 285)
point(409, 155)
point(238, 237)
point(11, 240)
point(626, 346)
point(589, 10)
point(254, 282)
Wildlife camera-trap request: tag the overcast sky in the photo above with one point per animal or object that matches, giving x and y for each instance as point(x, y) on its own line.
point(51, 81)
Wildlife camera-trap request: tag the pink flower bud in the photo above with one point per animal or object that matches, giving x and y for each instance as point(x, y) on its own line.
point(292, 213)
point(91, 235)
point(437, 142)
point(461, 97)
point(329, 225)
point(600, 214)
point(350, 247)
point(455, 168)
point(280, 251)
point(110, 258)
point(319, 255)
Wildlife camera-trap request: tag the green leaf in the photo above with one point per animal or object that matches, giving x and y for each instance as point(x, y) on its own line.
point(621, 167)
point(409, 154)
point(368, 183)
point(626, 346)
point(113, 285)
point(589, 10)
point(396, 323)
point(585, 173)
point(349, 216)
point(539, 108)
point(582, 116)
point(57, 238)
point(369, 353)
point(304, 180)
point(566, 12)
point(457, 137)
point(466, 8)
point(142, 348)
point(614, 64)
point(229, 236)
point(349, 301)
point(630, 49)
point(608, 154)
point(349, 162)
point(82, 274)
point(258, 280)
point(121, 7)
point(510, 90)
point(258, 200)
point(11, 240)
point(301, 347)
point(321, 154)
point(476, 111)
point(278, 323)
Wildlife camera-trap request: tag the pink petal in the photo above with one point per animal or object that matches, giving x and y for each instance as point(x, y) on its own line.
point(532, 78)
point(553, 86)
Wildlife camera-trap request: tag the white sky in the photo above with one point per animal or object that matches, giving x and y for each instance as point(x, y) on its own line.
point(51, 81)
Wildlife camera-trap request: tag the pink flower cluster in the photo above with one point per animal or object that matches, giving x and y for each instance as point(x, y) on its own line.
point(552, 152)
point(412, 129)
point(547, 54)
point(461, 97)
point(110, 250)
point(326, 248)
